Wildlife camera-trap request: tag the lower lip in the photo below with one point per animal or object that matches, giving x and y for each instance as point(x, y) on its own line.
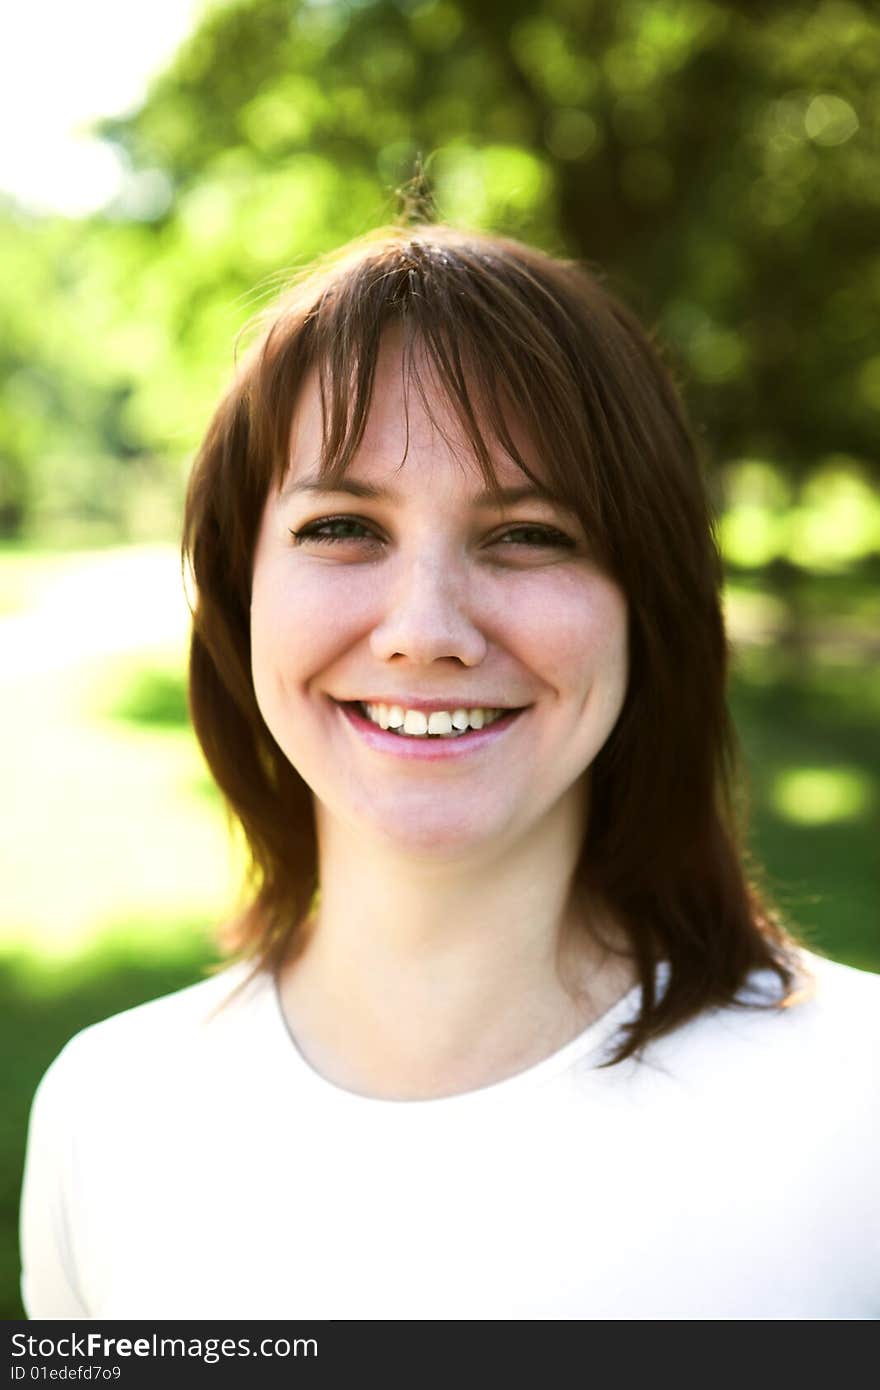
point(423, 747)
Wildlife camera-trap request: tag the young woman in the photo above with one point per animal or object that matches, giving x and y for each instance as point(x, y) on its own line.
point(509, 1033)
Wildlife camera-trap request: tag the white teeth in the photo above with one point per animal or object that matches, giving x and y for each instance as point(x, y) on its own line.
point(439, 722)
point(415, 722)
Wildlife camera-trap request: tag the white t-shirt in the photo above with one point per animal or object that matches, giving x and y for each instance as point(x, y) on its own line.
point(187, 1163)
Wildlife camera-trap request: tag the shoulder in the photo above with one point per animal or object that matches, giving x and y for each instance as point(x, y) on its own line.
point(825, 1037)
point(154, 1041)
point(834, 1006)
point(843, 989)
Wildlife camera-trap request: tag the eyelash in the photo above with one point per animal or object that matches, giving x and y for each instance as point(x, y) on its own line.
point(314, 529)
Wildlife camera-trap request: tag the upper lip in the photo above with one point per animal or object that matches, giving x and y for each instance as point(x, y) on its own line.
point(429, 706)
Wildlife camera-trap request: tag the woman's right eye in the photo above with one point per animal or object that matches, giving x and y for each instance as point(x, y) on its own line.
point(328, 530)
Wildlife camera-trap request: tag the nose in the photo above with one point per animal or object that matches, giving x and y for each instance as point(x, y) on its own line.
point(425, 615)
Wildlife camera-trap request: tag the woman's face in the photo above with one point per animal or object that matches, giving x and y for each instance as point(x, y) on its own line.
point(431, 597)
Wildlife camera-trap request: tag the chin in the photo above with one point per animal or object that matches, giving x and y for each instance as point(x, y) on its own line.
point(431, 842)
point(431, 837)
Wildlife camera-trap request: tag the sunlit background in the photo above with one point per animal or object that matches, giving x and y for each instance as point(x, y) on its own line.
point(165, 166)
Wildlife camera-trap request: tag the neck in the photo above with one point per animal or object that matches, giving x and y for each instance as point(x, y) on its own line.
point(421, 979)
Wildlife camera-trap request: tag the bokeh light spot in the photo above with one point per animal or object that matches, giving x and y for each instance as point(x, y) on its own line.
point(819, 796)
point(829, 120)
point(572, 134)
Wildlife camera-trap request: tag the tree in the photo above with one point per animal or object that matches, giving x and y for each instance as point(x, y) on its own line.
point(720, 161)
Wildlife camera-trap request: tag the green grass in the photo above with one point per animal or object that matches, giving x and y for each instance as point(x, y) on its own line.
point(821, 870)
point(153, 699)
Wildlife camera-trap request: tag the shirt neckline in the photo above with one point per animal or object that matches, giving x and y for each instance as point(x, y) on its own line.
point(585, 1044)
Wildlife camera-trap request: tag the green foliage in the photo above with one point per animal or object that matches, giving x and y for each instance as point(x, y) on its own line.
point(721, 161)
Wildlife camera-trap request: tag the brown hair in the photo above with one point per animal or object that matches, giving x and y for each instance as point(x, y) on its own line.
point(499, 322)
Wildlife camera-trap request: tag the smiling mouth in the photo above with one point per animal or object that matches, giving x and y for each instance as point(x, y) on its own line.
point(435, 727)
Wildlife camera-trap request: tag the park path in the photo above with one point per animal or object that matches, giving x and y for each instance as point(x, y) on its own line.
point(104, 823)
point(100, 603)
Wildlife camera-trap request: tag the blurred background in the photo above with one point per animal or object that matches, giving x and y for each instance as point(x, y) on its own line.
point(167, 166)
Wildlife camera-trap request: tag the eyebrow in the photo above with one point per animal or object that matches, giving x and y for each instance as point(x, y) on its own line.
point(485, 498)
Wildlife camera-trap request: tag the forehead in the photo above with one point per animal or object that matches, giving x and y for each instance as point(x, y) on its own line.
point(410, 421)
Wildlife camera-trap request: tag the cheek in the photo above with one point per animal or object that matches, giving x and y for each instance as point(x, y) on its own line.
point(575, 632)
point(299, 624)
point(607, 639)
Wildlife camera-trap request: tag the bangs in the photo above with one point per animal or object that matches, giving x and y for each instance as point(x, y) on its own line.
point(480, 335)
